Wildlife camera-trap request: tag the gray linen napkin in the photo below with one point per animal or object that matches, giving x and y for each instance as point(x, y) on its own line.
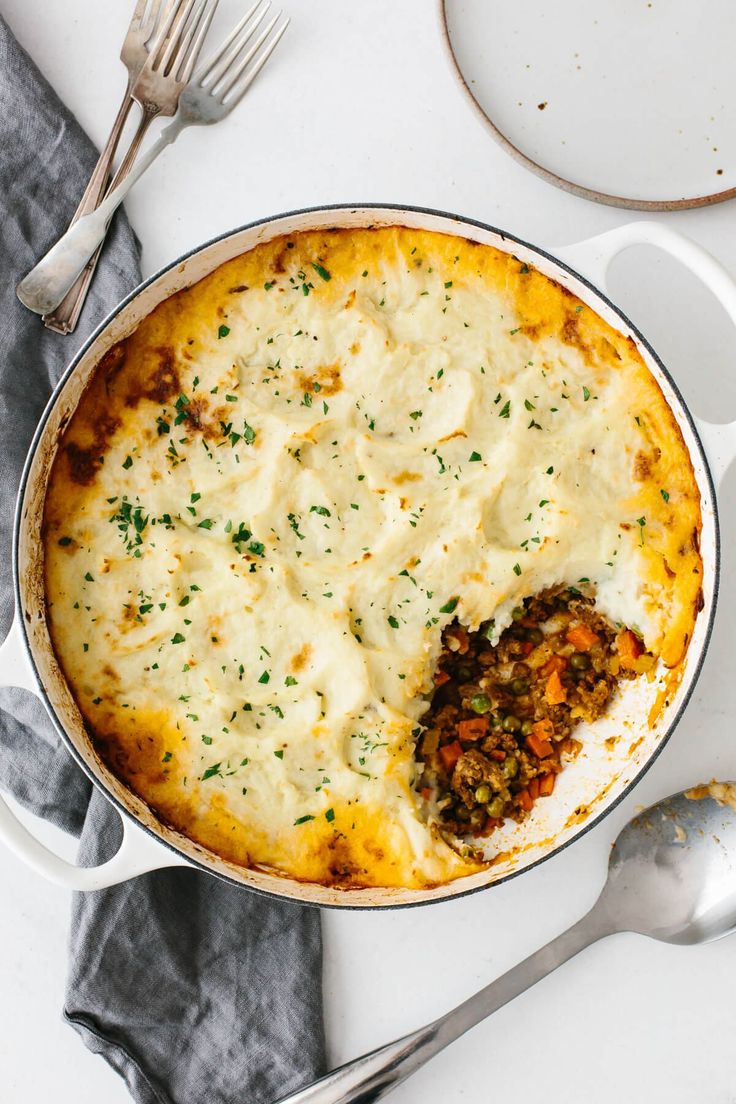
point(193, 990)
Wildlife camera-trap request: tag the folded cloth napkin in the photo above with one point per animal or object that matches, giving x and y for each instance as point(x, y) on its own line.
point(195, 991)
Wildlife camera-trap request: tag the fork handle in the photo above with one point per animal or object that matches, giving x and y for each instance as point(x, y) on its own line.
point(64, 319)
point(370, 1077)
point(46, 285)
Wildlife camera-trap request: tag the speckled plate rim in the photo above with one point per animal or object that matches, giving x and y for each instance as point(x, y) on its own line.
point(629, 203)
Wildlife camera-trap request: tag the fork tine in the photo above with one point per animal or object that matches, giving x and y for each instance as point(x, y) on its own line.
point(182, 12)
point(214, 66)
point(230, 77)
point(163, 29)
point(237, 92)
point(196, 42)
point(225, 65)
point(147, 25)
point(157, 8)
point(181, 47)
point(137, 16)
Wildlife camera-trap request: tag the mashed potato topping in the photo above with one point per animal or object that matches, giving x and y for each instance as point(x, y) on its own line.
point(278, 491)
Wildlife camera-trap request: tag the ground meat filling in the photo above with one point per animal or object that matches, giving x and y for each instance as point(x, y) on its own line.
point(500, 723)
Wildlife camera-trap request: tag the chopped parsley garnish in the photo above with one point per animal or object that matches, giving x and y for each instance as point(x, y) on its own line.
point(303, 819)
point(265, 677)
point(321, 271)
point(223, 331)
point(321, 510)
point(211, 771)
point(665, 495)
point(128, 462)
point(505, 410)
point(450, 605)
point(475, 456)
point(279, 754)
point(517, 569)
point(206, 523)
point(392, 621)
point(330, 816)
point(177, 638)
point(586, 394)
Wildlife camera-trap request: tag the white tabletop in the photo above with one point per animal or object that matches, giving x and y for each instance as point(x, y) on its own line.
point(360, 103)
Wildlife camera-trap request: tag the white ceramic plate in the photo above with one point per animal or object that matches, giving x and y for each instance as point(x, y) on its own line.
point(631, 102)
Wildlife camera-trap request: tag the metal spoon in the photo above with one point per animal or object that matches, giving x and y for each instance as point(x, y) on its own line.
point(671, 876)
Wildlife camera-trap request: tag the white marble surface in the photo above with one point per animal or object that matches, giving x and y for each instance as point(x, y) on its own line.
point(361, 104)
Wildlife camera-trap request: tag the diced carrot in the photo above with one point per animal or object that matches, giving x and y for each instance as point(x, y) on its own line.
point(554, 663)
point(450, 753)
point(524, 799)
point(474, 729)
point(546, 784)
point(494, 822)
point(555, 693)
point(629, 647)
point(533, 788)
point(498, 754)
point(540, 748)
point(544, 729)
point(426, 793)
point(527, 647)
point(441, 677)
point(581, 637)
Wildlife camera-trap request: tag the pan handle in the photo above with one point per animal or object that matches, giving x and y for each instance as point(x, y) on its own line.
point(138, 853)
point(592, 259)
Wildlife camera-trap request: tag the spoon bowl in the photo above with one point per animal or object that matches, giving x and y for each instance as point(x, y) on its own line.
point(671, 876)
point(672, 870)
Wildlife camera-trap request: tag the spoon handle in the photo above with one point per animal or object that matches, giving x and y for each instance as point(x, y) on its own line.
point(46, 285)
point(371, 1076)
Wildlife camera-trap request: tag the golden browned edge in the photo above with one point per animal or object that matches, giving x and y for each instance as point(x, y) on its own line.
point(145, 370)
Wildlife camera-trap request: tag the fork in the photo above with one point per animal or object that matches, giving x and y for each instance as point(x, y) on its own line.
point(217, 86)
point(155, 83)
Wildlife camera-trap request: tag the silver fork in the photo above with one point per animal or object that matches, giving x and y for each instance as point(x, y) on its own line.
point(217, 86)
point(172, 29)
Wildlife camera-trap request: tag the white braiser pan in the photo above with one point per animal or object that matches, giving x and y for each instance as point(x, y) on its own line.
point(586, 790)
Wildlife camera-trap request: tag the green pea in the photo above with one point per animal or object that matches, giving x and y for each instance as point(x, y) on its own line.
point(489, 630)
point(519, 686)
point(483, 794)
point(527, 727)
point(510, 766)
point(479, 703)
point(495, 808)
point(464, 674)
point(511, 723)
point(580, 661)
point(534, 636)
point(461, 813)
point(517, 613)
